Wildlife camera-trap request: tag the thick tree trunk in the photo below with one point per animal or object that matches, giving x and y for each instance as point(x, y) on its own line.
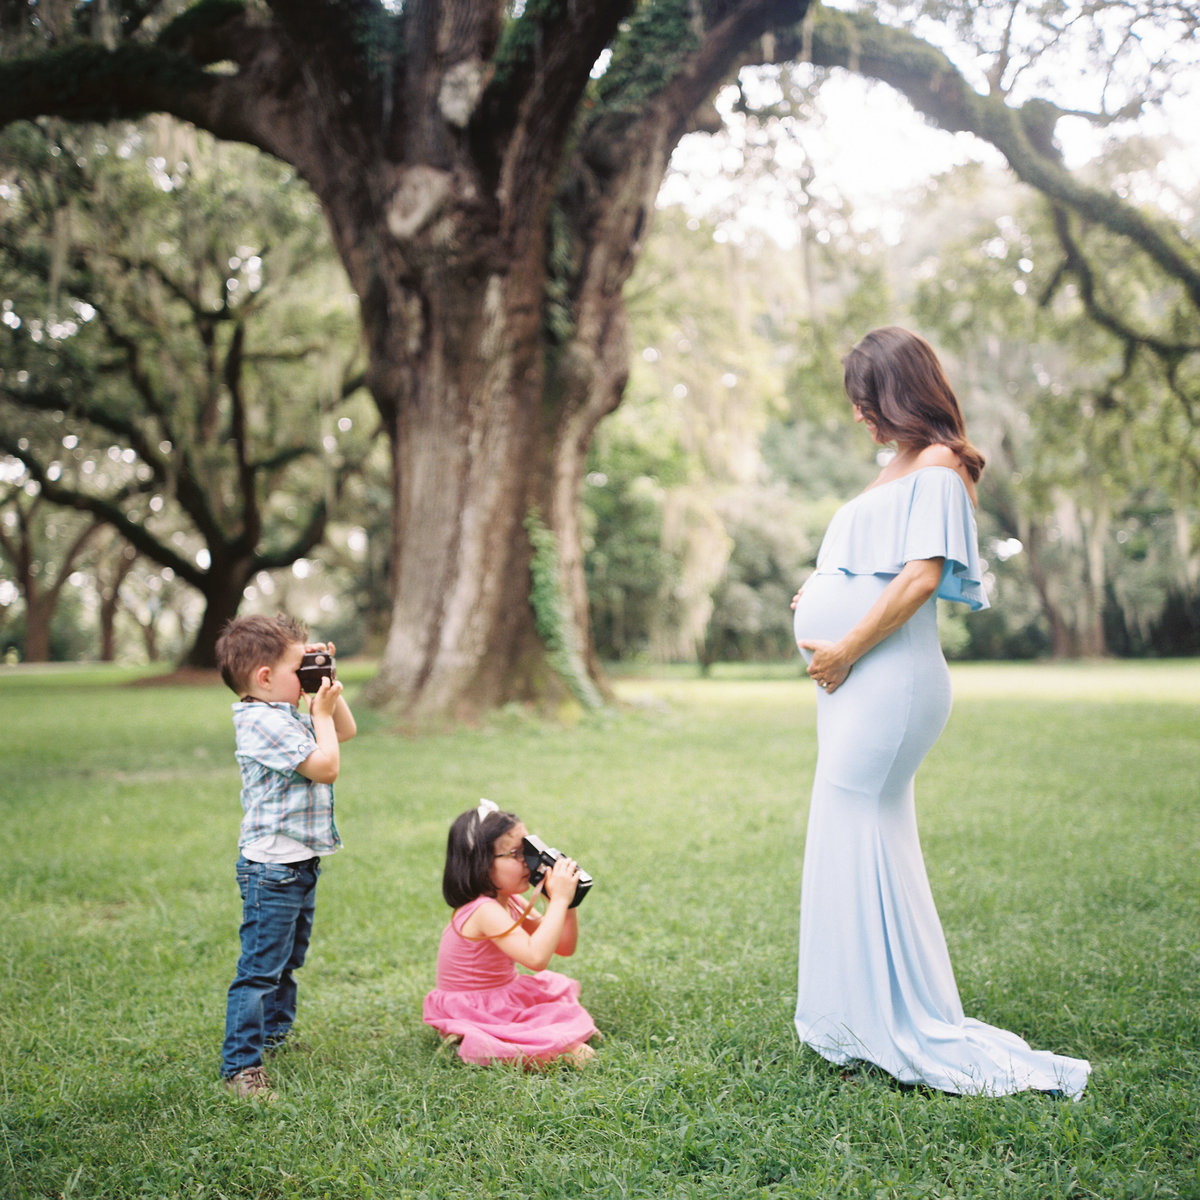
point(486, 440)
point(475, 453)
point(38, 615)
point(223, 589)
point(460, 380)
point(462, 635)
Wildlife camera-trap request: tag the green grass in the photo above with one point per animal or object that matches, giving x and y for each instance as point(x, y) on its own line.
point(1060, 827)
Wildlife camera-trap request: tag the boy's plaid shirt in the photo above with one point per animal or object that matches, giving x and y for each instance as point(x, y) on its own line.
point(272, 741)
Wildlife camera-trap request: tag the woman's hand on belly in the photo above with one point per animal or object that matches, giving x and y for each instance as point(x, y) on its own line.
point(904, 594)
point(828, 665)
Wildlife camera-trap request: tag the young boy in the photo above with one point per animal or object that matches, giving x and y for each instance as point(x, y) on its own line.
point(289, 762)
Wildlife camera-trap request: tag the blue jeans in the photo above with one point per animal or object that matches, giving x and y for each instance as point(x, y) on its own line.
point(277, 913)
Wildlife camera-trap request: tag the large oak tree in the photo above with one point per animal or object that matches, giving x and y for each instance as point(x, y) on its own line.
point(488, 187)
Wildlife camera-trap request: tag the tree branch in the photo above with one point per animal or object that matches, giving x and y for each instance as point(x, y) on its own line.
point(109, 511)
point(539, 73)
point(1024, 135)
point(725, 46)
point(101, 416)
point(88, 82)
point(548, 52)
point(307, 539)
point(1075, 263)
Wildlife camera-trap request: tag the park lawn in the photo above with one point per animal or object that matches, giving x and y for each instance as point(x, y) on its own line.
point(1059, 821)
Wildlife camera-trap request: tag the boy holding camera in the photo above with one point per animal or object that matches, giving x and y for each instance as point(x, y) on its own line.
point(289, 761)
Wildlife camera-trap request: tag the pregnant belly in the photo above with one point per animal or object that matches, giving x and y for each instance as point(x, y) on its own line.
point(875, 729)
point(831, 604)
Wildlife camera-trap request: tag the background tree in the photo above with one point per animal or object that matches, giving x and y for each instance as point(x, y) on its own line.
point(41, 547)
point(161, 609)
point(160, 376)
point(110, 568)
point(1084, 358)
point(1088, 535)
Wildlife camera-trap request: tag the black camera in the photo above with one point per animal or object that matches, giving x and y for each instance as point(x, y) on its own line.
point(315, 666)
point(539, 858)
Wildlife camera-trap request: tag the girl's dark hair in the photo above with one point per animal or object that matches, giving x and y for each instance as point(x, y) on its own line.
point(469, 848)
point(895, 380)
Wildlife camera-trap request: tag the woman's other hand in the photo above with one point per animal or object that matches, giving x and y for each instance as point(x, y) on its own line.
point(828, 666)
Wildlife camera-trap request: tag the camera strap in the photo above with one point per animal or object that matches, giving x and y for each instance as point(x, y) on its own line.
point(519, 921)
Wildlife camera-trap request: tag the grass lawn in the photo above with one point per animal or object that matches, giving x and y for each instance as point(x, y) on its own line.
point(1060, 826)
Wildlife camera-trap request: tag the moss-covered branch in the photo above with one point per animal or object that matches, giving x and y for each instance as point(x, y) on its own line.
point(202, 30)
point(935, 87)
point(211, 66)
point(1077, 266)
point(87, 82)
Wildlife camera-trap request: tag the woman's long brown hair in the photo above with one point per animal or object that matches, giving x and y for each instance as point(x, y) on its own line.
point(894, 379)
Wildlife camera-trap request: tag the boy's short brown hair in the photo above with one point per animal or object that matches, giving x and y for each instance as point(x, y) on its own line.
point(247, 643)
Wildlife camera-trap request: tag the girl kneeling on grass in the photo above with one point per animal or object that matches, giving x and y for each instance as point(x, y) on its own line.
point(481, 1000)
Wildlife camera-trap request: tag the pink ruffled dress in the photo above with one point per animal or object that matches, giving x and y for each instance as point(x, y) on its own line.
point(499, 1012)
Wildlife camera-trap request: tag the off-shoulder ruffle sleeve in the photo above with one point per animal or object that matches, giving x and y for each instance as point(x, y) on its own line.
point(927, 514)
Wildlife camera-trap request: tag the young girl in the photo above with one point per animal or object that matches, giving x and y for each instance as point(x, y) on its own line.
point(481, 998)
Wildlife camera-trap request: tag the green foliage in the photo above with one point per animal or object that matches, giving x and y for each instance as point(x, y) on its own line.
point(648, 54)
point(1091, 445)
point(774, 540)
point(520, 39)
point(70, 633)
point(177, 336)
point(627, 564)
point(1070, 911)
point(734, 415)
point(552, 614)
point(1092, 467)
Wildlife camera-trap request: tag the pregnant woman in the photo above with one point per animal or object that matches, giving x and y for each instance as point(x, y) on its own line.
point(875, 978)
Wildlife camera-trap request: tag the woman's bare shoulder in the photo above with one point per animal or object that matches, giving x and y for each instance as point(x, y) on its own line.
point(938, 455)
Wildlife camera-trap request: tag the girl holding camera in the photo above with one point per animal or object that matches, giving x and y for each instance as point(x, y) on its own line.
point(481, 1001)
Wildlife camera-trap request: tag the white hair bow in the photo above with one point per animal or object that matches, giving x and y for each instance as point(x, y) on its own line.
point(481, 813)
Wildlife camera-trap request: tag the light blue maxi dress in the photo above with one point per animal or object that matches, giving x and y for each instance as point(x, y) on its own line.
point(875, 977)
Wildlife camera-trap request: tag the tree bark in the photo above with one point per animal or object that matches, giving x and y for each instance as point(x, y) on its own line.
point(222, 589)
point(110, 599)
